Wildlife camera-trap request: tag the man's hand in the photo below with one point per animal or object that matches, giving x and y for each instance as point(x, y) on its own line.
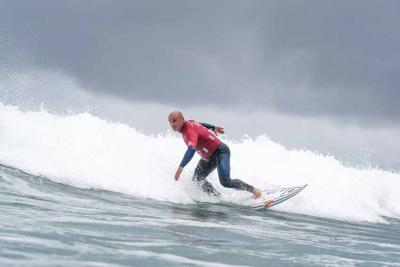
point(178, 173)
point(218, 129)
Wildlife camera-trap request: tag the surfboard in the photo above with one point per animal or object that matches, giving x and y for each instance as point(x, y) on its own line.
point(273, 197)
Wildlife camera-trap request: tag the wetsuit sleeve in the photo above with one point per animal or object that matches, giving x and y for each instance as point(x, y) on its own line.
point(188, 156)
point(208, 126)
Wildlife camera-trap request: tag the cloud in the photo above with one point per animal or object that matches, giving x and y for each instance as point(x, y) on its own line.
point(308, 58)
point(339, 56)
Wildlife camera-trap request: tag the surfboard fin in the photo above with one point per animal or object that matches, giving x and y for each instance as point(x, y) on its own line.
point(267, 203)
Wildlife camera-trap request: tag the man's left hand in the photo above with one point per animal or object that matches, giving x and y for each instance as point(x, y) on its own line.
point(218, 129)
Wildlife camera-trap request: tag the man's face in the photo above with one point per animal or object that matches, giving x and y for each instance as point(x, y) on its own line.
point(176, 122)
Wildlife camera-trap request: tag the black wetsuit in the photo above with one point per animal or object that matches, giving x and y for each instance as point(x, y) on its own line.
point(220, 159)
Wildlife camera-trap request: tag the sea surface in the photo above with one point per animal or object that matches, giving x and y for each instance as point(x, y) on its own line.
point(76, 190)
point(44, 223)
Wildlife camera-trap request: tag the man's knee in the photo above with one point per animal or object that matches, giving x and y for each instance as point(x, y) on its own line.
point(226, 182)
point(199, 175)
point(197, 178)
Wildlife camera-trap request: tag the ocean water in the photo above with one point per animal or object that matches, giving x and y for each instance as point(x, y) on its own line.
point(76, 190)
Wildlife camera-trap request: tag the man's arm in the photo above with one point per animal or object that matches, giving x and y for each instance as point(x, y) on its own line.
point(186, 158)
point(192, 137)
point(215, 129)
point(208, 126)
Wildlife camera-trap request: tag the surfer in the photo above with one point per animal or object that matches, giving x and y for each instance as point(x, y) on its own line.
point(214, 154)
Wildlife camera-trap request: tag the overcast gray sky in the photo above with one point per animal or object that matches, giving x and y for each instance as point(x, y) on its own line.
point(310, 60)
point(334, 58)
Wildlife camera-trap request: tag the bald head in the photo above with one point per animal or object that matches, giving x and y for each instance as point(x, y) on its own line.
point(175, 114)
point(176, 120)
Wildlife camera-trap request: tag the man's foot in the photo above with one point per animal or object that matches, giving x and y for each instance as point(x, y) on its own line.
point(257, 193)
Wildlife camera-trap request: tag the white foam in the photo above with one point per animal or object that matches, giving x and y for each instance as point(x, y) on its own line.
point(84, 151)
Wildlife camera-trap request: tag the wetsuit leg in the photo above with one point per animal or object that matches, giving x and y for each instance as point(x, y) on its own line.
point(224, 170)
point(203, 169)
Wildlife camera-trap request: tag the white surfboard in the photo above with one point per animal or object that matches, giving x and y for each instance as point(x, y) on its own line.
point(273, 197)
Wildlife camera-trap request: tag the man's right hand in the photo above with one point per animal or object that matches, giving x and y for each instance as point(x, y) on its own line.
point(178, 173)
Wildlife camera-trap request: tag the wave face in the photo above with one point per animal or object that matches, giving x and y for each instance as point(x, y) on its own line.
point(84, 151)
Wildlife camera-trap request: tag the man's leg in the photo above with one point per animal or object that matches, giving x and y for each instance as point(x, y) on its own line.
point(224, 170)
point(203, 169)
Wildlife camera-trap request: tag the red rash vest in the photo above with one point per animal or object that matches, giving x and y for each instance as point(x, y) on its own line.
point(196, 135)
